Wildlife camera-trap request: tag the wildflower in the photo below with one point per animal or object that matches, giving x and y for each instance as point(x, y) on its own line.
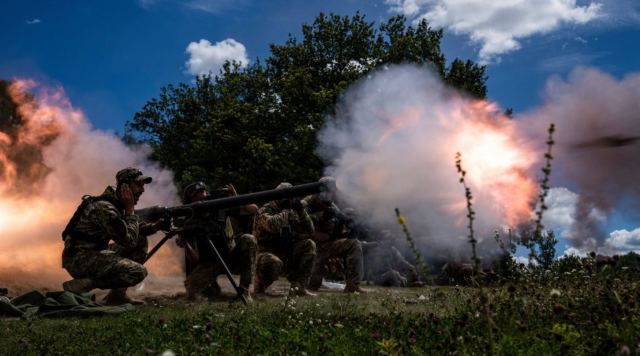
point(555, 293)
point(168, 353)
point(338, 325)
point(208, 325)
point(624, 350)
point(162, 320)
point(402, 220)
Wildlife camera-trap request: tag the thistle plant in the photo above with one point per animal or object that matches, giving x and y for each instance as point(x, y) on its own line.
point(470, 213)
point(544, 191)
point(422, 267)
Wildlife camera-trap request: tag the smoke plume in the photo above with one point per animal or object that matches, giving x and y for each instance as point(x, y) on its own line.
point(597, 119)
point(393, 144)
point(393, 140)
point(50, 157)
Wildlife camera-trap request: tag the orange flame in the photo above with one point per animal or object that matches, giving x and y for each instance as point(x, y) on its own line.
point(495, 161)
point(36, 198)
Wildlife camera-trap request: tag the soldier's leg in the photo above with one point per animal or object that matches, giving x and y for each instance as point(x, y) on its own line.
point(390, 278)
point(351, 251)
point(106, 269)
point(201, 277)
point(323, 253)
point(137, 253)
point(244, 258)
point(301, 265)
point(268, 269)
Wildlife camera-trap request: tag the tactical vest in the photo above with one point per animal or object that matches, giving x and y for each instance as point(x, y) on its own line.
point(70, 229)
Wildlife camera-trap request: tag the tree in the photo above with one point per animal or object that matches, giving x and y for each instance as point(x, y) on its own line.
point(258, 125)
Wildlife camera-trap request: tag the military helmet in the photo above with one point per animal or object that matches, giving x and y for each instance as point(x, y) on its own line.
point(192, 189)
point(131, 174)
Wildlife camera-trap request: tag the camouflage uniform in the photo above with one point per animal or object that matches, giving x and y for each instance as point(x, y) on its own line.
point(329, 237)
point(88, 254)
point(239, 252)
point(385, 266)
point(282, 237)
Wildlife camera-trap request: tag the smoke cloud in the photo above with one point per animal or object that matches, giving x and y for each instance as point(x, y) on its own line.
point(74, 160)
point(393, 140)
point(393, 144)
point(597, 137)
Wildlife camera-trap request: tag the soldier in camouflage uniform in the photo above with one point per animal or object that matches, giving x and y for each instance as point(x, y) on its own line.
point(87, 254)
point(385, 266)
point(330, 238)
point(282, 228)
point(238, 250)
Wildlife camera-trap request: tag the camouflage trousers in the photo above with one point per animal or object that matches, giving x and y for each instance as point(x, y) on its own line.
point(241, 260)
point(299, 264)
point(115, 267)
point(385, 266)
point(348, 250)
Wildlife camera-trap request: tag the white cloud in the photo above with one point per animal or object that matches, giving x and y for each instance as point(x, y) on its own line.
point(623, 241)
point(205, 57)
point(33, 21)
point(498, 25)
point(214, 6)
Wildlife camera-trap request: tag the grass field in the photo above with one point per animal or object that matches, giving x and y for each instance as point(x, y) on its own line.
point(573, 313)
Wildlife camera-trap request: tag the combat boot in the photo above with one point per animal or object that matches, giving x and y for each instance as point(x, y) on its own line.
point(79, 286)
point(299, 289)
point(258, 286)
point(119, 296)
point(246, 295)
point(355, 288)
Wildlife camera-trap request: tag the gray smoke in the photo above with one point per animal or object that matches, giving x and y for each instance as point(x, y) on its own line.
point(597, 118)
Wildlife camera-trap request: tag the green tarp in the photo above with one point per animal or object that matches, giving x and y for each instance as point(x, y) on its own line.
point(56, 305)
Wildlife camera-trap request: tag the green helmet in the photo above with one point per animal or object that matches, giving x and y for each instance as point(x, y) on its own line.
point(190, 190)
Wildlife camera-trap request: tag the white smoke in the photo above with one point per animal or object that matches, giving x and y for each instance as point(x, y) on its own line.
point(393, 144)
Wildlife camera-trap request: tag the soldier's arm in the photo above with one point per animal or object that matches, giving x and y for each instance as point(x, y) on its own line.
point(301, 222)
point(270, 221)
point(124, 230)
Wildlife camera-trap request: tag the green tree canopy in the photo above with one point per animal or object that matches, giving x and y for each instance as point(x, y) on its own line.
point(257, 126)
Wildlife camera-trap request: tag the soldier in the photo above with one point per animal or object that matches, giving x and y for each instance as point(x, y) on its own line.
point(330, 238)
point(87, 254)
point(282, 228)
point(237, 249)
point(385, 266)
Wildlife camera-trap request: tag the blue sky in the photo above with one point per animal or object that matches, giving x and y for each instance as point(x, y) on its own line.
point(113, 56)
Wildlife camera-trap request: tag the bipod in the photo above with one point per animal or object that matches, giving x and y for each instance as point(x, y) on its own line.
point(167, 236)
point(226, 271)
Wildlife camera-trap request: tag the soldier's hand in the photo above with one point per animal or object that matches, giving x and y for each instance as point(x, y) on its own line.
point(126, 198)
point(161, 224)
point(231, 190)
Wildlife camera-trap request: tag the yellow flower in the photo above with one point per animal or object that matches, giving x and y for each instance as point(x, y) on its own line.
point(402, 220)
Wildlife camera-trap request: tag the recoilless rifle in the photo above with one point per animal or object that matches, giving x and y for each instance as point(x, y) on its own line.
point(189, 211)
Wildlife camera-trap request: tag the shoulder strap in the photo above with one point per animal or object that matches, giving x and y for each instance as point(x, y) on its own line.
point(86, 200)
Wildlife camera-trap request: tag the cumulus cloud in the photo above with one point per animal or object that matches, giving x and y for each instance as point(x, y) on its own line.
point(205, 57)
point(498, 25)
point(623, 241)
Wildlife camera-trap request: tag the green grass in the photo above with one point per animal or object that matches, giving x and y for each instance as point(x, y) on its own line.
point(591, 315)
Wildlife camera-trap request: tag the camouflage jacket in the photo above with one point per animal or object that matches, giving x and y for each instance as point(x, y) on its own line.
point(102, 221)
point(271, 219)
point(324, 222)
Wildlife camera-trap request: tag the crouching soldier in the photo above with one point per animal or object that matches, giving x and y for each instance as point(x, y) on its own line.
point(282, 228)
point(237, 250)
point(87, 254)
point(331, 241)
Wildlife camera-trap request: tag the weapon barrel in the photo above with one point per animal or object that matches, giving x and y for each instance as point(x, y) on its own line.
point(251, 198)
